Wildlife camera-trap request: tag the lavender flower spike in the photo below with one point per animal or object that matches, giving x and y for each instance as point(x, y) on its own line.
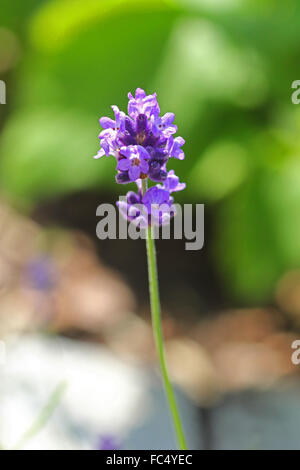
point(142, 143)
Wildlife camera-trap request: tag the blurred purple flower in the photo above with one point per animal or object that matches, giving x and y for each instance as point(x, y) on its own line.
point(40, 274)
point(108, 442)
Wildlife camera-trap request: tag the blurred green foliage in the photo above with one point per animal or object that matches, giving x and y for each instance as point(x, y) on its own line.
point(225, 67)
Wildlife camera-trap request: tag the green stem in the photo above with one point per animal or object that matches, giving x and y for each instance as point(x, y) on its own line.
point(158, 335)
point(43, 416)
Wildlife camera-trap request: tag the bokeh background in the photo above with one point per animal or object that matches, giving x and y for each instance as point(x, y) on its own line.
point(78, 367)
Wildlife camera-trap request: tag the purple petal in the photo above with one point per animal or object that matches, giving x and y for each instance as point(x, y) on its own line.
point(180, 141)
point(133, 198)
point(143, 152)
point(107, 123)
point(123, 177)
point(168, 119)
point(129, 126)
point(134, 173)
point(99, 154)
point(120, 118)
point(170, 144)
point(157, 175)
point(126, 151)
point(156, 195)
point(105, 146)
point(141, 124)
point(140, 94)
point(179, 154)
point(123, 164)
point(172, 184)
point(144, 167)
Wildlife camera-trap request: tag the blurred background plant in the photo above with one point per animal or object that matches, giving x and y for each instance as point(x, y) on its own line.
point(225, 67)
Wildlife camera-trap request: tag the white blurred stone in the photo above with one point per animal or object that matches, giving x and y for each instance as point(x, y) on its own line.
point(103, 395)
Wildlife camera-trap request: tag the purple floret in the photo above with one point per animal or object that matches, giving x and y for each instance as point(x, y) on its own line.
point(172, 184)
point(134, 160)
point(142, 104)
point(155, 207)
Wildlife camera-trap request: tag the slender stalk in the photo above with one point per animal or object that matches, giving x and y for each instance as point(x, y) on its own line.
point(158, 335)
point(43, 416)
